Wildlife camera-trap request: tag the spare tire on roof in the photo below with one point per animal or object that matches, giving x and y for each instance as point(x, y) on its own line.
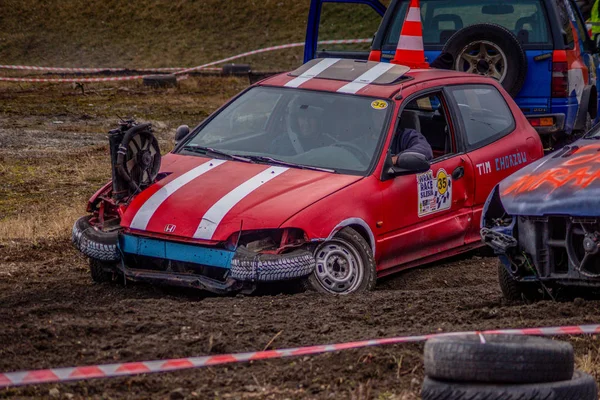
point(490, 50)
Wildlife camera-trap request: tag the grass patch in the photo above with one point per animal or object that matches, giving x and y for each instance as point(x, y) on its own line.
point(163, 33)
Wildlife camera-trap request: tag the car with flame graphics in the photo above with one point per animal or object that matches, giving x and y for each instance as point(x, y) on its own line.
point(293, 180)
point(544, 222)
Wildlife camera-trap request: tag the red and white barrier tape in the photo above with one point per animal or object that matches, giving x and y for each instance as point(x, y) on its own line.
point(134, 368)
point(90, 70)
point(176, 71)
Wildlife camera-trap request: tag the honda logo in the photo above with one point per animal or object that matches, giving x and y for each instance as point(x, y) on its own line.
point(170, 228)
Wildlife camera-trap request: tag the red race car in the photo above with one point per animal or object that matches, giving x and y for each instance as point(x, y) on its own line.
point(308, 176)
point(293, 179)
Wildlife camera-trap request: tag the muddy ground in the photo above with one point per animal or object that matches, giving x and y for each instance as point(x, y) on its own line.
point(52, 315)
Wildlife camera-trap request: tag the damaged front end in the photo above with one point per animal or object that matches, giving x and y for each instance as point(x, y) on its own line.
point(245, 259)
point(553, 249)
point(497, 227)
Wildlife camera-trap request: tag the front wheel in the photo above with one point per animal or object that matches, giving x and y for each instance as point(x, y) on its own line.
point(514, 290)
point(344, 265)
point(101, 271)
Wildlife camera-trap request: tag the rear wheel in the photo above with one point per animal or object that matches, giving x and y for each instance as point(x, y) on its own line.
point(344, 265)
point(514, 290)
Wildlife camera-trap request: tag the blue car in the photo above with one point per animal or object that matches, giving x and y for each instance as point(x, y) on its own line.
point(544, 222)
point(539, 50)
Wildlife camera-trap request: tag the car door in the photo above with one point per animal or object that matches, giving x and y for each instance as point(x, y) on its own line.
point(324, 30)
point(427, 214)
point(589, 53)
point(495, 144)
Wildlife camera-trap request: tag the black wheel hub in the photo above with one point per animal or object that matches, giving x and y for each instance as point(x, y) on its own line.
point(483, 66)
point(590, 243)
point(145, 159)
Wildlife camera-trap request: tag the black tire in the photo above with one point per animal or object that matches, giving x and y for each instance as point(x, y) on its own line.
point(101, 271)
point(588, 124)
point(580, 387)
point(501, 359)
point(251, 267)
point(516, 60)
point(514, 290)
point(94, 243)
point(352, 239)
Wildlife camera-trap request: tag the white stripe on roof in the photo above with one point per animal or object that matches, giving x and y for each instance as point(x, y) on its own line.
point(312, 72)
point(366, 78)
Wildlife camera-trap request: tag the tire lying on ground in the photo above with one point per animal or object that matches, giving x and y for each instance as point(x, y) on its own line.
point(501, 359)
point(580, 387)
point(491, 50)
point(94, 243)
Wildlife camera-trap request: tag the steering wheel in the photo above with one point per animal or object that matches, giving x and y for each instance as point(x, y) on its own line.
point(355, 150)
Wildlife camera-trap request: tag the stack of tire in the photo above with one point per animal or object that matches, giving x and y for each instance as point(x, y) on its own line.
point(507, 367)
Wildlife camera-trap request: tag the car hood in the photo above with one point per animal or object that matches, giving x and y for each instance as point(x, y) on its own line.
point(564, 182)
point(209, 200)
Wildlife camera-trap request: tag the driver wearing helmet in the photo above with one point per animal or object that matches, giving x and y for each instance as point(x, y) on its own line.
point(304, 131)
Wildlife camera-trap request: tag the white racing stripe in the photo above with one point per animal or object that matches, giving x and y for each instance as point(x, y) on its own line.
point(366, 78)
point(213, 217)
point(312, 72)
point(147, 210)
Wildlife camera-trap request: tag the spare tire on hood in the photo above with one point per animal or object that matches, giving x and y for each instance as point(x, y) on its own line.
point(490, 50)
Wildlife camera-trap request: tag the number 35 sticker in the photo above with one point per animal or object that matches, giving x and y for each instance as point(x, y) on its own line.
point(379, 104)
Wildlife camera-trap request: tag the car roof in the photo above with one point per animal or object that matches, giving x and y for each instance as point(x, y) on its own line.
point(359, 77)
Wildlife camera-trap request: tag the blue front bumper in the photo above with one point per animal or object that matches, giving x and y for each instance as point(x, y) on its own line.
point(175, 251)
point(229, 269)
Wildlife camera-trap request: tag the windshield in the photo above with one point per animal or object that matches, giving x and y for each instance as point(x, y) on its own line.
point(314, 129)
point(442, 18)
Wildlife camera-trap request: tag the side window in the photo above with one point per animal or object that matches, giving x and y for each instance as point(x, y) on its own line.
point(427, 115)
point(565, 23)
point(484, 113)
point(581, 30)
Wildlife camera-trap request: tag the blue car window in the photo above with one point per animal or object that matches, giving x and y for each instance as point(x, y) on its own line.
point(442, 18)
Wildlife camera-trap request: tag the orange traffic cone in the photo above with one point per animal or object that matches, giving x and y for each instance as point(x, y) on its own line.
point(410, 50)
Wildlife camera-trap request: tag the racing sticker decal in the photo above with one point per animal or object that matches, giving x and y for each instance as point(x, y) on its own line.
point(435, 192)
point(379, 104)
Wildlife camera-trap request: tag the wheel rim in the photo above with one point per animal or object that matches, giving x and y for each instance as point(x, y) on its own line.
point(483, 58)
point(339, 268)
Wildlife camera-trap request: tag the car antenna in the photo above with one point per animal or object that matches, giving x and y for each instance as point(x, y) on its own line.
point(239, 236)
point(399, 95)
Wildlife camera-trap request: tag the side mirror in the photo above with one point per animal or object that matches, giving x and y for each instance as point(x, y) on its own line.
point(181, 132)
point(409, 163)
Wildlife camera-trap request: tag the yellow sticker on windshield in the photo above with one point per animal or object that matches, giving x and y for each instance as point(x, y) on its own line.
point(379, 104)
